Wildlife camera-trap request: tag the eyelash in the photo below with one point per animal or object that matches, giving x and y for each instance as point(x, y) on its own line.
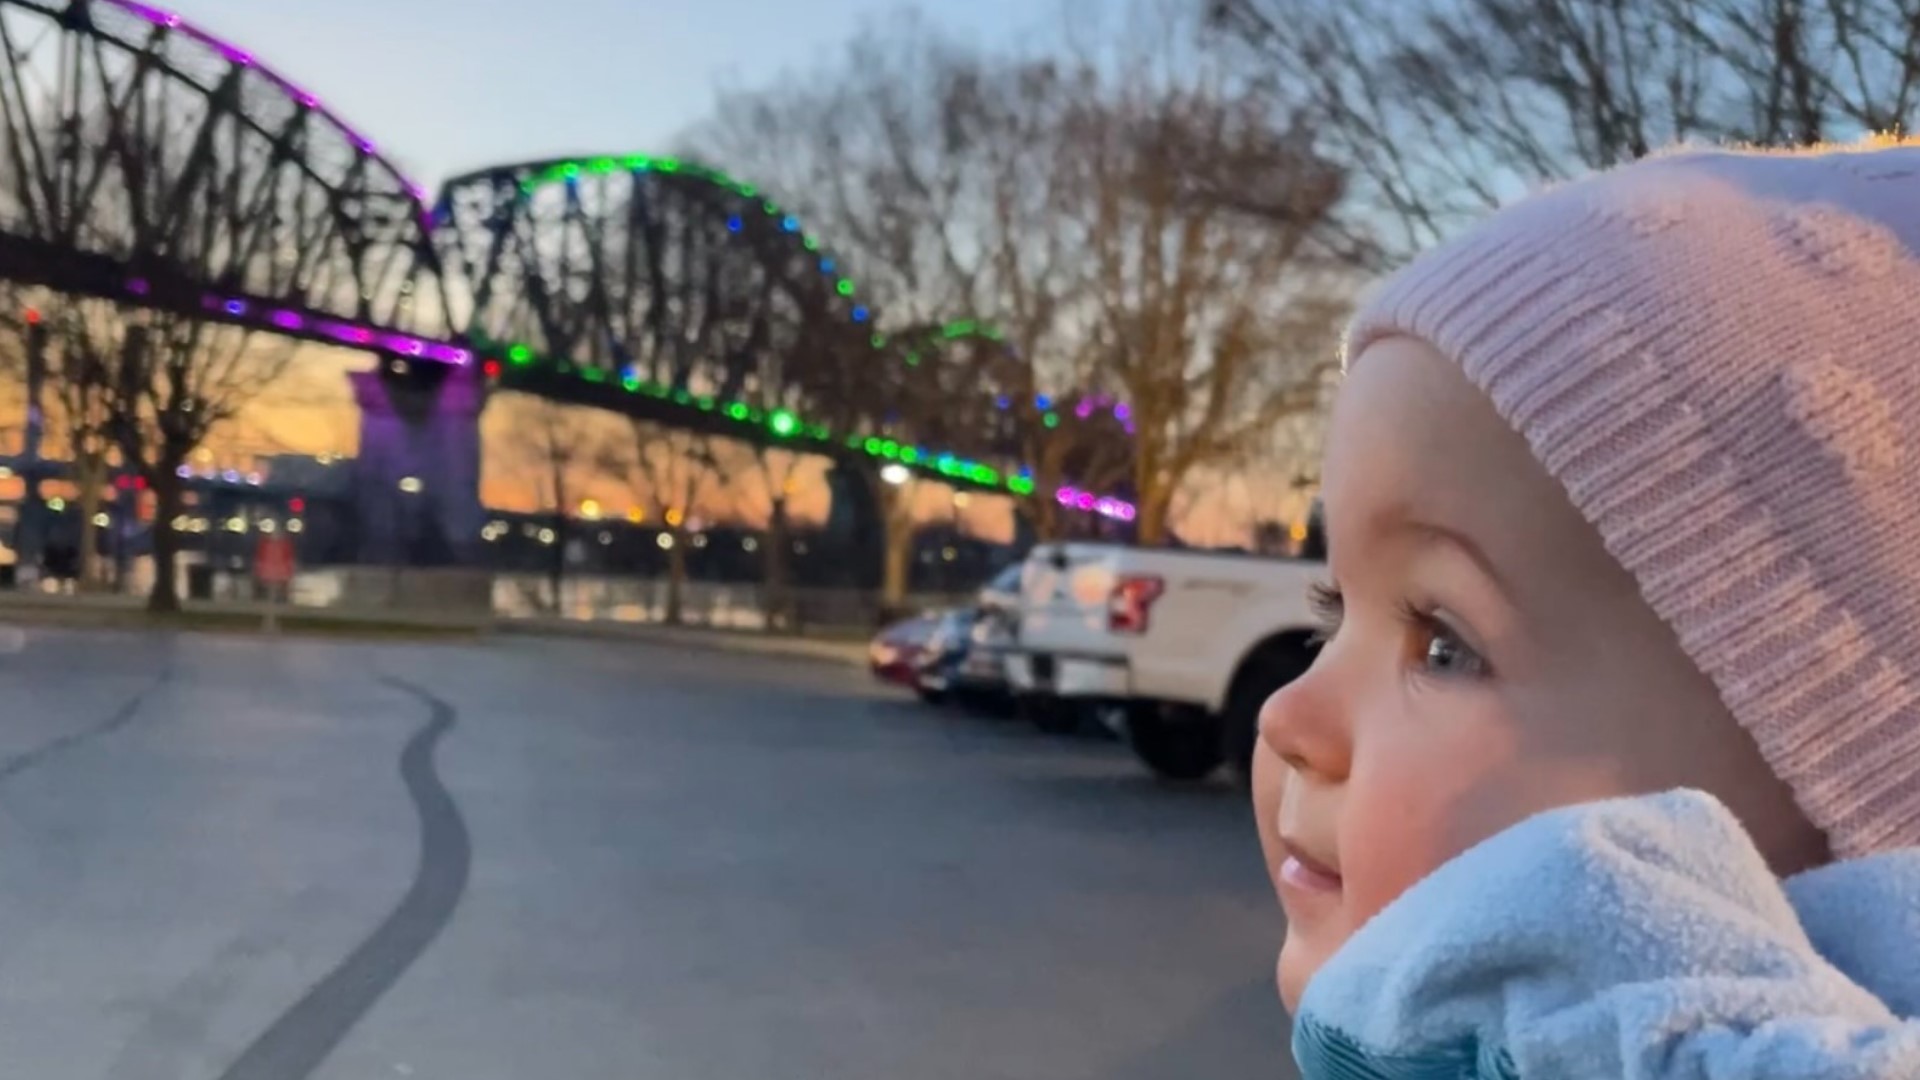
point(1329, 606)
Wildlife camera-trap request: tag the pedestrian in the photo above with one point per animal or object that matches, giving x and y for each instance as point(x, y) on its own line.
point(1610, 763)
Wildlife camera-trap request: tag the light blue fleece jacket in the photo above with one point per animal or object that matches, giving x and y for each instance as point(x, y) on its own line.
point(1641, 939)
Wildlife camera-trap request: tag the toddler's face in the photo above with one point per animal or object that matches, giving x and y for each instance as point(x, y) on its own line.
point(1488, 660)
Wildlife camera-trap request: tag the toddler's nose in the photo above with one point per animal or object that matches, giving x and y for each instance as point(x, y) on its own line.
point(1304, 726)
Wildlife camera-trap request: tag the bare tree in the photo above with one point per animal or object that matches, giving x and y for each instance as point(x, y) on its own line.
point(554, 450)
point(1444, 108)
point(672, 471)
point(174, 380)
point(81, 376)
point(775, 472)
point(1216, 326)
point(928, 165)
point(1080, 205)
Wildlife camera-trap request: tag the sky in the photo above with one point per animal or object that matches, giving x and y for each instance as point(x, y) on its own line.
point(445, 86)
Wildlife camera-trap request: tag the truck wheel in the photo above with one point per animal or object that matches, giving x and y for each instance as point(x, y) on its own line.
point(1177, 745)
point(1264, 673)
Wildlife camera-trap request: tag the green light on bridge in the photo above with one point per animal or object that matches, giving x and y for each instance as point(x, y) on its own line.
point(845, 287)
point(520, 354)
point(783, 423)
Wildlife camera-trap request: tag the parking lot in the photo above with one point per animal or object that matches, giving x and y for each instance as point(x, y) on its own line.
point(227, 857)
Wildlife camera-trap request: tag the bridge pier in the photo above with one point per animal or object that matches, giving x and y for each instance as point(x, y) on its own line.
point(417, 477)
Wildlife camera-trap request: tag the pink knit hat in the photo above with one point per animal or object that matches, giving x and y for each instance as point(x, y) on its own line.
point(1717, 354)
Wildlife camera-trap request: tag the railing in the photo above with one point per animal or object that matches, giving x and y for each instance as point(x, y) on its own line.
point(740, 606)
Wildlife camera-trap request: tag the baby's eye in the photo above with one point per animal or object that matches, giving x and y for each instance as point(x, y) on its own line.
point(1440, 650)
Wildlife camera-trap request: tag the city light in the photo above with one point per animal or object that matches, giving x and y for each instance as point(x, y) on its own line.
point(590, 509)
point(896, 474)
point(269, 527)
point(547, 537)
point(57, 504)
point(750, 544)
point(101, 520)
point(665, 540)
point(676, 517)
point(411, 485)
point(296, 526)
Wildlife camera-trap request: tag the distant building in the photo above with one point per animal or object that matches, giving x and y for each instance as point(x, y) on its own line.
point(323, 476)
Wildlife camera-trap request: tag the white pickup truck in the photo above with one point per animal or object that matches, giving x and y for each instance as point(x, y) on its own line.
point(1176, 650)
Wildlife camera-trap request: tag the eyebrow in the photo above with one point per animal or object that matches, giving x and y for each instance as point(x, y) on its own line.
point(1453, 537)
point(1403, 518)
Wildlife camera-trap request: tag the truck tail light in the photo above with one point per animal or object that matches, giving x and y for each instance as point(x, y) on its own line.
point(1132, 599)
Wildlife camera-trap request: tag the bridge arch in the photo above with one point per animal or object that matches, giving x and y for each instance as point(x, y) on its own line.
point(151, 162)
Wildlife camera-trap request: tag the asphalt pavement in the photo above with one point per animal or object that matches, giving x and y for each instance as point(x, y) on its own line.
point(269, 858)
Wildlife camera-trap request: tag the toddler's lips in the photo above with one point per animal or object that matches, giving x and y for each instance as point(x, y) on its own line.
point(1300, 872)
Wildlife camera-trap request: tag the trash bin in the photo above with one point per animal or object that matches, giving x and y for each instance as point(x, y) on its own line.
point(200, 582)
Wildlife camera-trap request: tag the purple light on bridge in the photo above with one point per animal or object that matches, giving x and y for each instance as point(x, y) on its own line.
point(151, 14)
point(236, 307)
point(138, 286)
point(184, 472)
point(240, 56)
point(1083, 410)
point(288, 320)
point(1085, 500)
point(1123, 414)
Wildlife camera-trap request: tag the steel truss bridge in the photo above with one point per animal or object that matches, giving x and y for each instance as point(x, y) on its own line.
point(148, 162)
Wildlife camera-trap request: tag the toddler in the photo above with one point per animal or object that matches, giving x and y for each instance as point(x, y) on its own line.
point(1610, 764)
